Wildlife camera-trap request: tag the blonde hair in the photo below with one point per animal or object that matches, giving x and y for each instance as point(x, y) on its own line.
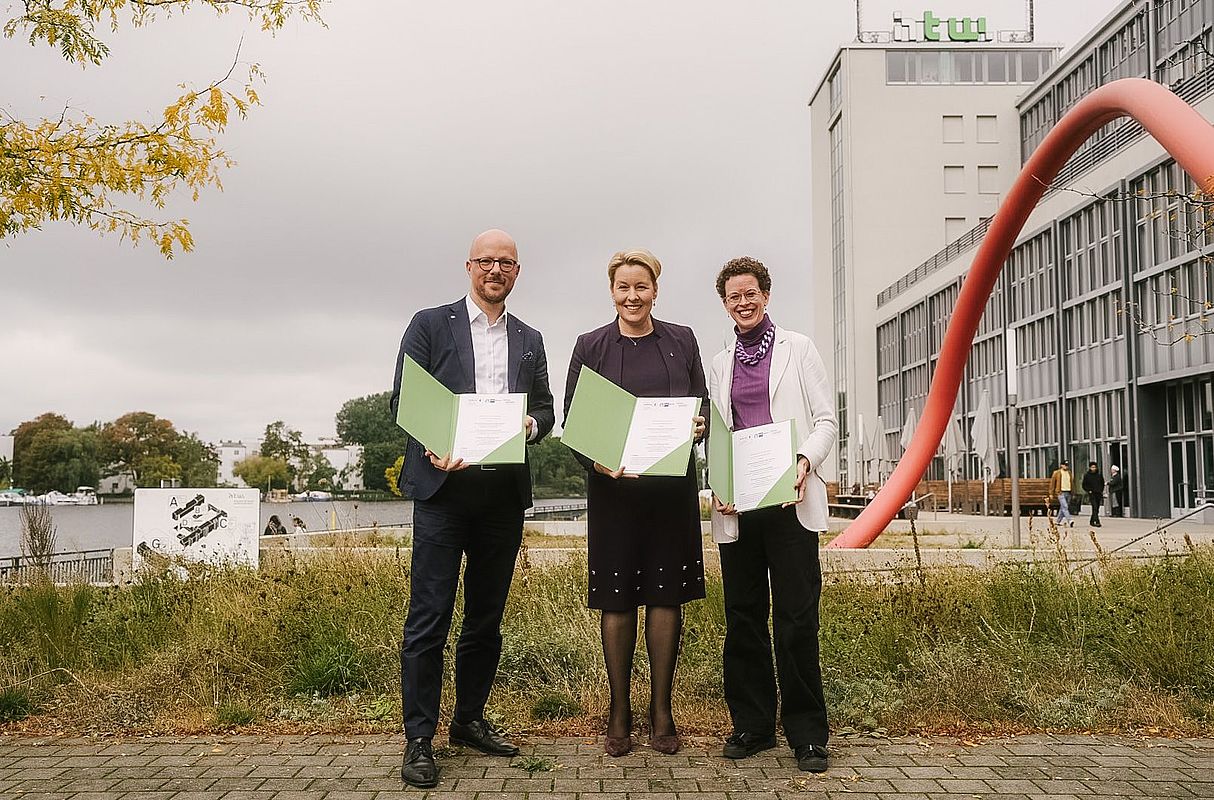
point(638, 258)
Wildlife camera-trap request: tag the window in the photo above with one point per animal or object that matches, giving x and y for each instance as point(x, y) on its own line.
point(954, 228)
point(988, 180)
point(988, 129)
point(954, 180)
point(954, 129)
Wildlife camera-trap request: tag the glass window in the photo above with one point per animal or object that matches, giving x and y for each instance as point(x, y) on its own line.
point(996, 67)
point(1030, 67)
point(963, 68)
point(895, 66)
point(954, 179)
point(954, 129)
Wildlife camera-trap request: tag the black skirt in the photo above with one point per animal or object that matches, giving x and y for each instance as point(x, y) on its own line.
point(644, 542)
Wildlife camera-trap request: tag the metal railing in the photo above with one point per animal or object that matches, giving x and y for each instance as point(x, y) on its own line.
point(84, 566)
point(547, 511)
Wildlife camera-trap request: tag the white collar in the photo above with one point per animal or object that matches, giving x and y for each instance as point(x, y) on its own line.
point(475, 311)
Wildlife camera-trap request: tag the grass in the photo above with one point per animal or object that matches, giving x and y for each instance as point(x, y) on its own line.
point(313, 642)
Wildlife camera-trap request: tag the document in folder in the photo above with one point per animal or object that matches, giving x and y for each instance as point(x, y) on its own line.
point(478, 428)
point(752, 468)
point(644, 435)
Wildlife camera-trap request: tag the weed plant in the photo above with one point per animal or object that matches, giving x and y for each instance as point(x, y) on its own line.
point(315, 640)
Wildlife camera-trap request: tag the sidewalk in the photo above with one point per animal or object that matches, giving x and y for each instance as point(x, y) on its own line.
point(368, 768)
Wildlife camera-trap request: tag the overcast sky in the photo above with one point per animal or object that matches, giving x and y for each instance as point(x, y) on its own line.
point(386, 142)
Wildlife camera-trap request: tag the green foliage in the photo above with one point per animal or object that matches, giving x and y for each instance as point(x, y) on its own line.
point(6, 473)
point(234, 715)
point(392, 476)
point(318, 637)
point(534, 764)
point(554, 470)
point(368, 421)
point(555, 705)
point(287, 445)
point(327, 666)
point(16, 704)
point(263, 472)
point(51, 453)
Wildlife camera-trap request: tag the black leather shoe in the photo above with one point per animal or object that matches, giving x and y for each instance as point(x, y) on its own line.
point(743, 745)
point(418, 768)
point(480, 735)
point(811, 757)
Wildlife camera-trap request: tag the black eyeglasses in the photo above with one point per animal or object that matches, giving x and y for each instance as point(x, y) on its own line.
point(486, 264)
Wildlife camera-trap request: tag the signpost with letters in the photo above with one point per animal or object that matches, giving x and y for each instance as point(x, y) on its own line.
point(216, 526)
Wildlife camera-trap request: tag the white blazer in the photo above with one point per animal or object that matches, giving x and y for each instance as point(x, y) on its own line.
point(800, 391)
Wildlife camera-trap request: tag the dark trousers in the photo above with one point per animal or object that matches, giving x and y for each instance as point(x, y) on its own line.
point(773, 566)
point(476, 513)
point(1096, 500)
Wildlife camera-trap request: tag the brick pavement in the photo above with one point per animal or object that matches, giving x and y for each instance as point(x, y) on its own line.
point(367, 768)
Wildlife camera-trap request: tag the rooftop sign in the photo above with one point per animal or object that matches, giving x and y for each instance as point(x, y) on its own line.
point(936, 29)
point(976, 22)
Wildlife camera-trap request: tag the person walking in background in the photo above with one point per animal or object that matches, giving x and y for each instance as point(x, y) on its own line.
point(300, 527)
point(643, 536)
point(770, 566)
point(1093, 485)
point(1116, 486)
point(274, 527)
point(470, 346)
point(1060, 487)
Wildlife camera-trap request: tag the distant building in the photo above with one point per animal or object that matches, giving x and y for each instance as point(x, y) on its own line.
point(231, 454)
point(1099, 291)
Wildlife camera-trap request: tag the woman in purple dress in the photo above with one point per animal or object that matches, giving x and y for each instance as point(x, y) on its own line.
point(643, 533)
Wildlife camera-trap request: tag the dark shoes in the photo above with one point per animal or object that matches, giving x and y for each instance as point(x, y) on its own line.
point(743, 745)
point(480, 735)
point(616, 746)
point(811, 757)
point(418, 768)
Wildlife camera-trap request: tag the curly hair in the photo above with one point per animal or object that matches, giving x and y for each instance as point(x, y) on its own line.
point(743, 265)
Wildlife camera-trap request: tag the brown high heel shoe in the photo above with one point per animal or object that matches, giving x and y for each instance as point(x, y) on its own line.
point(616, 746)
point(667, 743)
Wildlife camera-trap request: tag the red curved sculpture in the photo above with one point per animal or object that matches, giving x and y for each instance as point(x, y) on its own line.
point(1177, 126)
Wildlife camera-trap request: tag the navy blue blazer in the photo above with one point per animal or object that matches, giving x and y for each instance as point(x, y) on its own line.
point(602, 349)
point(440, 340)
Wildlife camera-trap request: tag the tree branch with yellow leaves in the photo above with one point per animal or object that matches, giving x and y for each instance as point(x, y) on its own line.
point(75, 169)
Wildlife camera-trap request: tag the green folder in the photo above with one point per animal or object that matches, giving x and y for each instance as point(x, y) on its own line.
point(600, 418)
point(429, 412)
point(722, 466)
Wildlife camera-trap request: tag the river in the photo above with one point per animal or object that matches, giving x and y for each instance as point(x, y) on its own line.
point(112, 524)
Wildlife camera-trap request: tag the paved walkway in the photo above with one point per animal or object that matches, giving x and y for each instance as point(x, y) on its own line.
point(367, 768)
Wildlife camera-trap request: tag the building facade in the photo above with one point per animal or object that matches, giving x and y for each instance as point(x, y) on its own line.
point(1106, 293)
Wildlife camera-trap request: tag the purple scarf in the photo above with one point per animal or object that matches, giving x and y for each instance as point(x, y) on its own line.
point(749, 393)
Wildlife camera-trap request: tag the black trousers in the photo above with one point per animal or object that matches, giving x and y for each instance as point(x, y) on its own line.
point(477, 513)
point(773, 566)
point(1097, 500)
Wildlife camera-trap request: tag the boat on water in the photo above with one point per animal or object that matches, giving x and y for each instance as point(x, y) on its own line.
point(314, 496)
point(83, 496)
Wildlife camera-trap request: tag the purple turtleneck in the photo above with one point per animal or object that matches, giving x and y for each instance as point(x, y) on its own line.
point(749, 392)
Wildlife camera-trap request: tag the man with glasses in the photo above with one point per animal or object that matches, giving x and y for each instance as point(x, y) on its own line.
point(470, 346)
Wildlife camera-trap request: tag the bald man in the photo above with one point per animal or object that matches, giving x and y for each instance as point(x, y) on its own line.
point(459, 510)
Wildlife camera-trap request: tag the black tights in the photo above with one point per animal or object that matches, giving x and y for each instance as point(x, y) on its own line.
point(663, 629)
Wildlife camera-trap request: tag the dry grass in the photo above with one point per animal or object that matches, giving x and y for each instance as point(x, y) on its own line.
point(312, 644)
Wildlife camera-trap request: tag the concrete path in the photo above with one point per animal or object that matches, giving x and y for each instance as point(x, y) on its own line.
point(367, 768)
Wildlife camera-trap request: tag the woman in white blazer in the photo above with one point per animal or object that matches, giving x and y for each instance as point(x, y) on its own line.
point(769, 557)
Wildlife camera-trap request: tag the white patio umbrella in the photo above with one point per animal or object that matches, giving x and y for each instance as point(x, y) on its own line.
point(861, 452)
point(954, 451)
point(880, 450)
point(983, 435)
point(908, 428)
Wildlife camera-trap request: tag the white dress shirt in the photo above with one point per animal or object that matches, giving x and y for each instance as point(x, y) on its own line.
point(489, 350)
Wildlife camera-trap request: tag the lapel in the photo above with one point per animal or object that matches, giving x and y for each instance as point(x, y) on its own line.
point(781, 354)
point(461, 334)
point(725, 389)
point(514, 350)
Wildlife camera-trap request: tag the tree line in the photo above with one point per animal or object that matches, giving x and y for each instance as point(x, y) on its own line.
point(52, 453)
